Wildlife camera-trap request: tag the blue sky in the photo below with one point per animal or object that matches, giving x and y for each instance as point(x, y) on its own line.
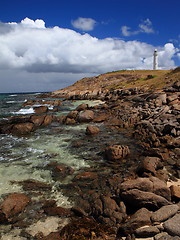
point(58, 42)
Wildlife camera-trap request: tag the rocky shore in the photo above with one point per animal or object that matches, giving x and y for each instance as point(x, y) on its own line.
point(133, 193)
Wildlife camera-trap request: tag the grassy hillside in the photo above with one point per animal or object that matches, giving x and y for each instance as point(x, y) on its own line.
point(149, 79)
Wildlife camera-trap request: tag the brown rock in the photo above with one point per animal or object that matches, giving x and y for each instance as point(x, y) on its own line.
point(100, 118)
point(22, 128)
point(116, 152)
point(91, 130)
point(47, 120)
point(14, 204)
point(86, 116)
point(175, 191)
point(59, 211)
point(164, 213)
point(86, 175)
point(41, 109)
point(82, 107)
point(150, 164)
point(32, 184)
point(37, 120)
point(148, 192)
point(70, 121)
point(137, 220)
point(72, 114)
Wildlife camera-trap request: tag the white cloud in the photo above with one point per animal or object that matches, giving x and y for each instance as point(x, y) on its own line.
point(144, 27)
point(39, 55)
point(85, 24)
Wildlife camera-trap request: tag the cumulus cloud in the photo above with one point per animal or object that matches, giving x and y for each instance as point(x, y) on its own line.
point(30, 49)
point(144, 27)
point(85, 24)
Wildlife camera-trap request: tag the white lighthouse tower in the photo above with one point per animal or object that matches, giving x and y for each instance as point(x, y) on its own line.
point(155, 60)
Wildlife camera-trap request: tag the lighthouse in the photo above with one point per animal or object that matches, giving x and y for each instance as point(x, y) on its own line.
point(155, 60)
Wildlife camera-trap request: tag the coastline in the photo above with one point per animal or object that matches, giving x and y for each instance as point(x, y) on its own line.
point(121, 195)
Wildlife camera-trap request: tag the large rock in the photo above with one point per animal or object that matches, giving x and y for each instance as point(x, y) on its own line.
point(13, 205)
point(172, 226)
point(85, 116)
point(147, 231)
point(92, 130)
point(22, 128)
point(41, 109)
point(175, 191)
point(147, 192)
point(137, 220)
point(47, 120)
point(72, 114)
point(150, 164)
point(82, 107)
point(116, 152)
point(164, 213)
point(37, 120)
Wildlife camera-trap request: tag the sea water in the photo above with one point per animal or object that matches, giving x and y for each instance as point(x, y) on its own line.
point(23, 158)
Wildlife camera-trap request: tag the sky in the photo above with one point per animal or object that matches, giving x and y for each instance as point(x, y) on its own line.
point(46, 45)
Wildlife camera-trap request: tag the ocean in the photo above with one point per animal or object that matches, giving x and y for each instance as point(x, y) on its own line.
point(23, 158)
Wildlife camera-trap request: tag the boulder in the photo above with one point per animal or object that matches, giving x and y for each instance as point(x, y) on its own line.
point(116, 152)
point(172, 225)
point(72, 114)
point(175, 191)
point(164, 213)
point(86, 116)
point(37, 120)
point(86, 176)
point(101, 117)
point(70, 121)
point(13, 205)
point(82, 107)
point(31, 184)
point(58, 211)
point(92, 130)
point(150, 164)
point(41, 109)
point(47, 120)
point(137, 220)
point(145, 192)
point(22, 128)
point(146, 231)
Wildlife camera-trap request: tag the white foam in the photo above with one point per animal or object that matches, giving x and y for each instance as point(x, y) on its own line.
point(10, 101)
point(25, 111)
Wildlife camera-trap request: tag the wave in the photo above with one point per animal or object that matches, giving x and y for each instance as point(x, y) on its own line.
point(24, 111)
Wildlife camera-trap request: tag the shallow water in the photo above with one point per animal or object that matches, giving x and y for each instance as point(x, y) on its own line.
point(23, 158)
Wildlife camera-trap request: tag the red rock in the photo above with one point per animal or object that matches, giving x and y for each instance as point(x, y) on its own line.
point(100, 118)
point(70, 121)
point(175, 191)
point(47, 120)
point(116, 152)
point(59, 211)
point(72, 114)
point(41, 109)
point(86, 175)
point(14, 204)
point(85, 116)
point(22, 128)
point(91, 130)
point(150, 164)
point(82, 107)
point(37, 120)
